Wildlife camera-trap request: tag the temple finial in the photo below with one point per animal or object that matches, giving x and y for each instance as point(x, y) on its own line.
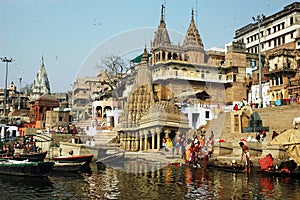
point(162, 15)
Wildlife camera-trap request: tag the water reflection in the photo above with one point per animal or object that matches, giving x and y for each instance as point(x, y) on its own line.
point(144, 180)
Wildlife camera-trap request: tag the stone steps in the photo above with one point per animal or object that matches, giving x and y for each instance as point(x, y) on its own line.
point(278, 118)
point(103, 137)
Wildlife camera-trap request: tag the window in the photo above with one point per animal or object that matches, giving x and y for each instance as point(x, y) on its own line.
point(234, 77)
point(206, 114)
point(269, 43)
point(292, 35)
point(269, 31)
point(291, 21)
point(283, 40)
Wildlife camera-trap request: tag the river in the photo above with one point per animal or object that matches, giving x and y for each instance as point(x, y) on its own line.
point(143, 181)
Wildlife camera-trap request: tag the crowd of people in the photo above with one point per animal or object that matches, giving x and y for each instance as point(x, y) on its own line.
point(28, 144)
point(193, 150)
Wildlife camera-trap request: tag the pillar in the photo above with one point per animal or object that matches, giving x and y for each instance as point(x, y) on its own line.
point(146, 139)
point(158, 138)
point(141, 140)
point(136, 141)
point(153, 139)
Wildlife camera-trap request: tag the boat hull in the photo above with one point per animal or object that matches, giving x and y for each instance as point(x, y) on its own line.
point(33, 157)
point(74, 159)
point(67, 167)
point(21, 168)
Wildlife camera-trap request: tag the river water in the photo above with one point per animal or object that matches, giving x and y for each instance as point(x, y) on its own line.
point(138, 180)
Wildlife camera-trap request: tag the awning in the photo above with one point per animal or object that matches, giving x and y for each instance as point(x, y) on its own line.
point(138, 59)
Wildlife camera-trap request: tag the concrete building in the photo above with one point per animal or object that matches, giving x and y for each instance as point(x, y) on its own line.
point(279, 44)
point(82, 97)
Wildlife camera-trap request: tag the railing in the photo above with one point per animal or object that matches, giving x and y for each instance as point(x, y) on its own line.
point(294, 83)
point(209, 79)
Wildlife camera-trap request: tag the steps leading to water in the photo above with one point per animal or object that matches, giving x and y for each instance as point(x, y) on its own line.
point(278, 118)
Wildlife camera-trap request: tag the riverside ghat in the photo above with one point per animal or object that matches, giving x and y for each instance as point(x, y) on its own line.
point(229, 129)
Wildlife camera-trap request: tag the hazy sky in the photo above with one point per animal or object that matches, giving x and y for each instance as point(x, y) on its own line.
point(74, 35)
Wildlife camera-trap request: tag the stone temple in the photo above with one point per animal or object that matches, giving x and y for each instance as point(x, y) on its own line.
point(173, 87)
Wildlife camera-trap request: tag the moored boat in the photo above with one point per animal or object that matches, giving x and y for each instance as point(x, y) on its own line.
point(25, 168)
point(31, 156)
point(67, 167)
point(74, 159)
point(110, 158)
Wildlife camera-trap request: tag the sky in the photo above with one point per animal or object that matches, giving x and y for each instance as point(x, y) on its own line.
point(73, 36)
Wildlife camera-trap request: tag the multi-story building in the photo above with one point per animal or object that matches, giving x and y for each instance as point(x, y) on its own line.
point(279, 38)
point(82, 97)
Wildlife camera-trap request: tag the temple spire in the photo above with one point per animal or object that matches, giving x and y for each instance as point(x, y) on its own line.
point(161, 37)
point(192, 37)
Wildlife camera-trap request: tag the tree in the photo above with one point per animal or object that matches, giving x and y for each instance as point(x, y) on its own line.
point(113, 68)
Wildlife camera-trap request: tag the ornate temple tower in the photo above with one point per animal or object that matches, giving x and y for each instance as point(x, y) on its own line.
point(193, 45)
point(161, 37)
point(141, 97)
point(41, 84)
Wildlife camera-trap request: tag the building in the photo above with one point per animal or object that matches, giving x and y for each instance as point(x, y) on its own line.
point(41, 105)
point(58, 118)
point(279, 40)
point(82, 97)
point(41, 84)
point(177, 88)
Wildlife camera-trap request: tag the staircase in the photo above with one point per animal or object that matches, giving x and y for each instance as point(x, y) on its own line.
point(220, 126)
point(103, 137)
point(279, 118)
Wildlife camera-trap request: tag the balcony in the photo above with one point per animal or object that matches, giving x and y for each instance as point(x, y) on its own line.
point(211, 78)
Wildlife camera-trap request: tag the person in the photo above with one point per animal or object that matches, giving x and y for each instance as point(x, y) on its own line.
point(274, 134)
point(264, 135)
point(246, 154)
point(258, 136)
point(178, 145)
point(169, 143)
point(164, 144)
point(235, 107)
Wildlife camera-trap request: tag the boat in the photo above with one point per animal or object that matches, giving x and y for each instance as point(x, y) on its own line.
point(31, 156)
point(67, 167)
point(112, 158)
point(74, 159)
point(25, 168)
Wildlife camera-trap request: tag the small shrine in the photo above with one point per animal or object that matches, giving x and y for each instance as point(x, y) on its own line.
point(245, 120)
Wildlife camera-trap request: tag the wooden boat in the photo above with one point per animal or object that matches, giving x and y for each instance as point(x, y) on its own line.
point(74, 159)
point(31, 156)
point(25, 168)
point(67, 167)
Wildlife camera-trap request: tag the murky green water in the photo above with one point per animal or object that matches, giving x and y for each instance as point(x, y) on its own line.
point(139, 181)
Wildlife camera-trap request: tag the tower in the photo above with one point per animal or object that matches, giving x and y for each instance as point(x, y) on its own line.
point(41, 84)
